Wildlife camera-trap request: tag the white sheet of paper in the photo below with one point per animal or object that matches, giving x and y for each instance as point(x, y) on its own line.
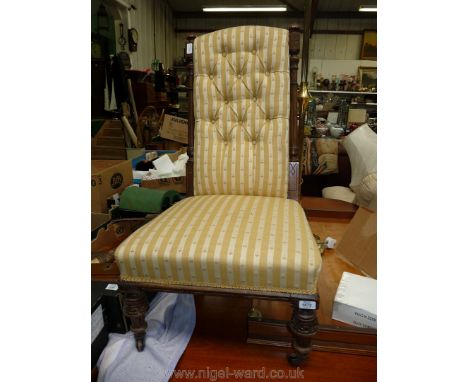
point(139, 174)
point(97, 322)
point(332, 117)
point(164, 165)
point(179, 165)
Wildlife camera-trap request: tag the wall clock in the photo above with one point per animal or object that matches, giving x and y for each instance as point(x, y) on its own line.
point(132, 39)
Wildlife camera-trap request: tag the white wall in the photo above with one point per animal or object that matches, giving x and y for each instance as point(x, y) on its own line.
point(338, 53)
point(154, 23)
point(224, 22)
point(330, 53)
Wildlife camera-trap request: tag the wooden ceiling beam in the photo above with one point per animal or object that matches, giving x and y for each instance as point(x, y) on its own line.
point(313, 15)
point(291, 6)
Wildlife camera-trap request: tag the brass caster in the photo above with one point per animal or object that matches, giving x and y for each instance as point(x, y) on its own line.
point(296, 359)
point(255, 313)
point(320, 244)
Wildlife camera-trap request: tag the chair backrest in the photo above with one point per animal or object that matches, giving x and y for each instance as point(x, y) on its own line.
point(241, 95)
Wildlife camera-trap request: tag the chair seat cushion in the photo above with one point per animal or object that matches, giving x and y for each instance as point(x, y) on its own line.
point(225, 241)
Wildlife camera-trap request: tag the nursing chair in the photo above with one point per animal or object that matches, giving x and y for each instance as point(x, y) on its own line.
point(241, 230)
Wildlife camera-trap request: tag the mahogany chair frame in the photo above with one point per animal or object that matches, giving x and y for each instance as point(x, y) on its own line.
point(303, 324)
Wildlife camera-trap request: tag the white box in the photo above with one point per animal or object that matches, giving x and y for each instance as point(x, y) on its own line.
point(356, 301)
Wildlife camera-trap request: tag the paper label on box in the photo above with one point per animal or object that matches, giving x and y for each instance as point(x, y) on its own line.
point(116, 180)
point(307, 305)
point(354, 316)
point(97, 323)
point(112, 287)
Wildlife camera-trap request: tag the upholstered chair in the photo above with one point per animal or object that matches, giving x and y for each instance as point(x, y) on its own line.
point(237, 233)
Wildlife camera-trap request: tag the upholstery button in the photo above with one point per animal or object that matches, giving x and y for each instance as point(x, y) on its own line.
point(254, 98)
point(224, 54)
point(213, 121)
point(254, 51)
point(254, 141)
point(239, 76)
point(211, 77)
point(226, 142)
point(226, 101)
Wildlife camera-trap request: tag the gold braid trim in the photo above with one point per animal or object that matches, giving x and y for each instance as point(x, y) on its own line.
point(212, 285)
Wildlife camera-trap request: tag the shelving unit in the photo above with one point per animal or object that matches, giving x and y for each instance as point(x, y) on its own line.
point(370, 105)
point(349, 95)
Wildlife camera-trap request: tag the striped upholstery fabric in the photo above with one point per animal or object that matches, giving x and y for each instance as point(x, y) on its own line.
point(239, 231)
point(241, 108)
point(235, 241)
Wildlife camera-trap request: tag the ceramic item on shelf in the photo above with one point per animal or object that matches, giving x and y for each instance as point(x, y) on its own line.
point(321, 127)
point(333, 82)
point(335, 130)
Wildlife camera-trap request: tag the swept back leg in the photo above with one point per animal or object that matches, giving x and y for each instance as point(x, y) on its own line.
point(303, 326)
point(135, 306)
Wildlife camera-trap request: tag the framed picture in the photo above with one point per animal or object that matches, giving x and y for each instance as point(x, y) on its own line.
point(369, 45)
point(368, 78)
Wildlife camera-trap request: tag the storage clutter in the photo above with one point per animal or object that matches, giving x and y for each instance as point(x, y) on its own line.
point(143, 153)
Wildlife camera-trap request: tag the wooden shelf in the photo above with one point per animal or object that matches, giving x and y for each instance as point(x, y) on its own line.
point(321, 207)
point(341, 92)
point(363, 104)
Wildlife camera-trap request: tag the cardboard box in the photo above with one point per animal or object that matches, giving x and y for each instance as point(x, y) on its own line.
point(178, 184)
point(133, 153)
point(359, 243)
point(98, 220)
point(172, 145)
point(175, 129)
point(356, 301)
point(103, 265)
point(108, 177)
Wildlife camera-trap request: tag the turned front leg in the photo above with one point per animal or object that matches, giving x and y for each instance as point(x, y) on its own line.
point(303, 326)
point(135, 306)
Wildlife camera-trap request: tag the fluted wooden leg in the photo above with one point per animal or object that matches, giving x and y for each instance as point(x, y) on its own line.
point(135, 306)
point(303, 326)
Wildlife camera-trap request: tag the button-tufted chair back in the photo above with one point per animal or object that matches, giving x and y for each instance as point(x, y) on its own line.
point(241, 110)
